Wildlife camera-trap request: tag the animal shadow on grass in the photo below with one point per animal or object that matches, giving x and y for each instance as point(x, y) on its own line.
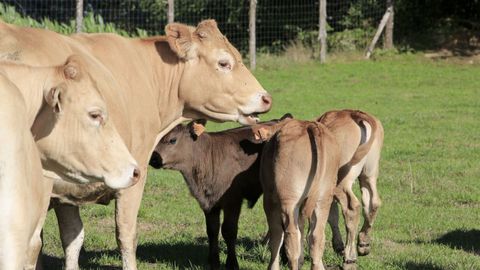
point(418, 266)
point(184, 255)
point(468, 241)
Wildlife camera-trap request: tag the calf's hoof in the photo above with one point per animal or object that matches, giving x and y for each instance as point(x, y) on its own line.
point(232, 264)
point(349, 265)
point(363, 249)
point(339, 248)
point(363, 244)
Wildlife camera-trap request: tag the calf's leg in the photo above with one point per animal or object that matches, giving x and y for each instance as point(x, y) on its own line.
point(371, 202)
point(275, 230)
point(212, 219)
point(337, 241)
point(292, 234)
point(71, 233)
point(317, 234)
point(229, 231)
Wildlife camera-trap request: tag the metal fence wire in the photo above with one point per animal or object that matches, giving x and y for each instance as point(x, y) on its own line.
point(351, 23)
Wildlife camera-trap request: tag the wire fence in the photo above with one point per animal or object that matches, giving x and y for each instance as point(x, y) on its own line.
point(351, 23)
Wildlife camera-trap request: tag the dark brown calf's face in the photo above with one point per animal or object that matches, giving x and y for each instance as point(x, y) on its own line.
point(175, 149)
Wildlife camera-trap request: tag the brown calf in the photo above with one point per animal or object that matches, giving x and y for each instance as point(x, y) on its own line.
point(221, 169)
point(360, 137)
point(298, 173)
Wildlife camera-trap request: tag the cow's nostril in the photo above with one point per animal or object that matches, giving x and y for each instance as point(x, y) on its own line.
point(136, 174)
point(267, 100)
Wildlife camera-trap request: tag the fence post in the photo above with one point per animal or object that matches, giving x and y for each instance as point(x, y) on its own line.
point(385, 18)
point(79, 16)
point(171, 14)
point(389, 27)
point(252, 35)
point(322, 34)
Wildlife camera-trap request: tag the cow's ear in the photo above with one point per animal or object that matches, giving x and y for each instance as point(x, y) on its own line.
point(206, 29)
point(53, 97)
point(72, 69)
point(180, 40)
point(197, 127)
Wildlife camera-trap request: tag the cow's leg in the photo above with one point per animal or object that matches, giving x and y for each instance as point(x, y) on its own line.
point(371, 202)
point(71, 233)
point(126, 212)
point(292, 234)
point(275, 230)
point(317, 234)
point(212, 219)
point(337, 241)
point(301, 226)
point(229, 231)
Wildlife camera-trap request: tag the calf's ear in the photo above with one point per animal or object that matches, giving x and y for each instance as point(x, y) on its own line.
point(197, 127)
point(287, 116)
point(262, 133)
point(180, 40)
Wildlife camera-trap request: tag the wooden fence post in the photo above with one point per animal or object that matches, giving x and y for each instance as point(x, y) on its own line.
point(171, 13)
point(79, 16)
point(322, 34)
point(378, 33)
point(389, 27)
point(252, 34)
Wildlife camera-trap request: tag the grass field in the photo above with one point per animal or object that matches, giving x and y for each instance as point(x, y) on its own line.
point(429, 178)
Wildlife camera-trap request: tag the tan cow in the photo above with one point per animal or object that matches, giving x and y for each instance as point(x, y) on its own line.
point(59, 111)
point(189, 73)
point(298, 175)
point(24, 196)
point(360, 137)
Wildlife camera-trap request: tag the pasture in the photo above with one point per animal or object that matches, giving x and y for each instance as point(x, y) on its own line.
point(429, 178)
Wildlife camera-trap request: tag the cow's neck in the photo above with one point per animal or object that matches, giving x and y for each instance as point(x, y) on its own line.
point(31, 83)
point(167, 71)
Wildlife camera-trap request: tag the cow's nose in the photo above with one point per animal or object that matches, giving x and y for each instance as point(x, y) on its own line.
point(136, 176)
point(267, 101)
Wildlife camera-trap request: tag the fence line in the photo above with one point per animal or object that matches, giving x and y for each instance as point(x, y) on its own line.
point(350, 24)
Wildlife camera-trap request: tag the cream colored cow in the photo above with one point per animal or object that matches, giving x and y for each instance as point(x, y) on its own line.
point(192, 72)
point(55, 117)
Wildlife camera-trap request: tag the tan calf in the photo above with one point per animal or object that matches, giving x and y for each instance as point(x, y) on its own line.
point(64, 111)
point(298, 175)
point(360, 137)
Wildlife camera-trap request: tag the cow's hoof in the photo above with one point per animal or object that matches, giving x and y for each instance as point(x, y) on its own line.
point(348, 265)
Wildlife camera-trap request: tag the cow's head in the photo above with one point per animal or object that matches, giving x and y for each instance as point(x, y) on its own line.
point(215, 83)
point(175, 149)
point(74, 134)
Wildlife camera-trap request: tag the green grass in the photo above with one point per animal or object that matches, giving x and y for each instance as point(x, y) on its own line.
point(429, 178)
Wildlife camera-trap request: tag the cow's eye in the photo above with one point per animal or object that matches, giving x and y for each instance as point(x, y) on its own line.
point(172, 141)
point(97, 117)
point(225, 64)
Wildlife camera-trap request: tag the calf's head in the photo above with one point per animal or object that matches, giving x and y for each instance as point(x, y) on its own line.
point(74, 134)
point(215, 83)
point(175, 149)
